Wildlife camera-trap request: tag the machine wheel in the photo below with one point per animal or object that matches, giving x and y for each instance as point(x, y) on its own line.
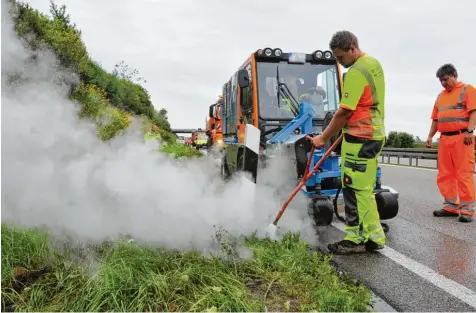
point(387, 204)
point(321, 211)
point(225, 173)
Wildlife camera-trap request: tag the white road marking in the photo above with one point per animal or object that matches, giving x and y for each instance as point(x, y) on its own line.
point(464, 294)
point(409, 167)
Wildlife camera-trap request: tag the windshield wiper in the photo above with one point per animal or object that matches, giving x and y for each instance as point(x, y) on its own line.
point(283, 91)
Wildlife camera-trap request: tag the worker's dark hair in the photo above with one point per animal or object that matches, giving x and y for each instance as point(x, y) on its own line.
point(343, 40)
point(446, 69)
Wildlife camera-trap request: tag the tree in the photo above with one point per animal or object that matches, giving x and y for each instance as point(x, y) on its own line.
point(403, 140)
point(123, 71)
point(60, 14)
point(163, 113)
point(390, 138)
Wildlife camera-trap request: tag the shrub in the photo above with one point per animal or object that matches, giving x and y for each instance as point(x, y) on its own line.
point(400, 140)
point(116, 121)
point(93, 100)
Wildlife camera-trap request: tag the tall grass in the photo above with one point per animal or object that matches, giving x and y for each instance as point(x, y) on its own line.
point(124, 276)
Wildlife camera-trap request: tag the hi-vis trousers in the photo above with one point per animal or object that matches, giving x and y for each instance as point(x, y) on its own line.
point(359, 173)
point(455, 174)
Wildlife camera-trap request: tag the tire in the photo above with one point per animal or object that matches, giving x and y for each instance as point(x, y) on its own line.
point(224, 172)
point(387, 205)
point(321, 211)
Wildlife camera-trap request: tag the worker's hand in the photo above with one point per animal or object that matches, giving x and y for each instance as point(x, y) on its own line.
point(429, 141)
point(318, 141)
point(468, 139)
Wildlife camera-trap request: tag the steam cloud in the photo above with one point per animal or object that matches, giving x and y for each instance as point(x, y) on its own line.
point(58, 174)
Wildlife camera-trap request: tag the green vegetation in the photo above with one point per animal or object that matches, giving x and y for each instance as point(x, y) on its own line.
point(400, 140)
point(110, 100)
point(123, 276)
point(281, 276)
point(179, 150)
point(406, 140)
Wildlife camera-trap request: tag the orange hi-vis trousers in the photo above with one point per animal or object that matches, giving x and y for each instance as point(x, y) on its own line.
point(455, 174)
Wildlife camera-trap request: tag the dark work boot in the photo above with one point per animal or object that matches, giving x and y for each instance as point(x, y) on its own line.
point(346, 247)
point(443, 212)
point(371, 246)
point(464, 218)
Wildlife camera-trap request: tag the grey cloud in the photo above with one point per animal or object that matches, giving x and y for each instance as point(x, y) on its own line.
point(187, 49)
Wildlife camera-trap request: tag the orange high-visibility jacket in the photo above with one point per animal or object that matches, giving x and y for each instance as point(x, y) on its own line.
point(452, 109)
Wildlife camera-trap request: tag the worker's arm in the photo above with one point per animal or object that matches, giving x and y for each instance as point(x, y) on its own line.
point(472, 119)
point(471, 107)
point(338, 122)
point(433, 129)
point(354, 86)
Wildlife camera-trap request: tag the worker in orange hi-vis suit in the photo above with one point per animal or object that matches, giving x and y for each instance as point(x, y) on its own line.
point(454, 116)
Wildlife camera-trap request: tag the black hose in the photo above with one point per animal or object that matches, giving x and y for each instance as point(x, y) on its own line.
point(335, 206)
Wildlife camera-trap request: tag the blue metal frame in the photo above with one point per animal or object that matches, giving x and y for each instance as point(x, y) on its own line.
point(304, 120)
point(330, 167)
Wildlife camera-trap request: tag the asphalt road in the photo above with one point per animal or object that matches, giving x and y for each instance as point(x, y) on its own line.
point(429, 264)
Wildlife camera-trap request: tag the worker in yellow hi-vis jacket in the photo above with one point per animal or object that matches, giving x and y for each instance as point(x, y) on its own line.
point(361, 118)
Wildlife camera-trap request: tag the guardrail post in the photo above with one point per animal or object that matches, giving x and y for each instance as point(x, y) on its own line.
point(416, 162)
point(388, 159)
point(410, 162)
point(398, 160)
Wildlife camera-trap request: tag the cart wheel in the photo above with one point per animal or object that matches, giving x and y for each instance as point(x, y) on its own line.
point(387, 205)
point(321, 211)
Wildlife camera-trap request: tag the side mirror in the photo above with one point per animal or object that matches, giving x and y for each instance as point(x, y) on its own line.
point(243, 78)
point(210, 112)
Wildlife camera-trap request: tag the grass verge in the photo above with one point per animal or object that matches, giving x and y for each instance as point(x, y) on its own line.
point(180, 150)
point(124, 276)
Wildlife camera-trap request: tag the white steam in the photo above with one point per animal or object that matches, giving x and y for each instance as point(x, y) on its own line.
point(57, 174)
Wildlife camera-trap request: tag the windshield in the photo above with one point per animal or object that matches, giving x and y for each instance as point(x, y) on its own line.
point(313, 83)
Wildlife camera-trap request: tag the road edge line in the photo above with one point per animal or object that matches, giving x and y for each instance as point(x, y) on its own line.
point(451, 287)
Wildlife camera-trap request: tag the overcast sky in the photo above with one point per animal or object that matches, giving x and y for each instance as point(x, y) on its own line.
point(187, 49)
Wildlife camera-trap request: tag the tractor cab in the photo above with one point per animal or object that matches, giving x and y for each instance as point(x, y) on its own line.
point(284, 80)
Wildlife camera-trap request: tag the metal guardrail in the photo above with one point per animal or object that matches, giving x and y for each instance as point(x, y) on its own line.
point(412, 154)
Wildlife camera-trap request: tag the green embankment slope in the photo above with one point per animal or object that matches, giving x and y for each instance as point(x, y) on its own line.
point(124, 276)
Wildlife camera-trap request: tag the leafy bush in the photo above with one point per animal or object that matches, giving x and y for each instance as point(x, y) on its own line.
point(92, 98)
point(400, 140)
point(96, 107)
point(116, 121)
